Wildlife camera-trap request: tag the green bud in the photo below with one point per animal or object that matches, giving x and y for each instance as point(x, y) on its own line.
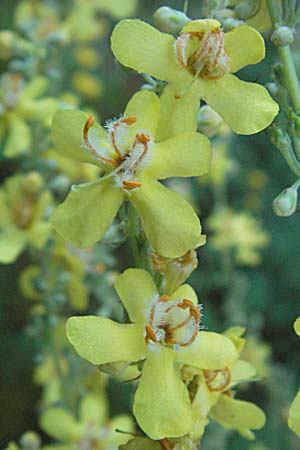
point(285, 203)
point(224, 14)
point(170, 20)
point(280, 139)
point(209, 121)
point(32, 182)
point(30, 441)
point(231, 23)
point(282, 36)
point(246, 10)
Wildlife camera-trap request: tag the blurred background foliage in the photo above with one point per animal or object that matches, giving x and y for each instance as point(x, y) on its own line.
point(263, 297)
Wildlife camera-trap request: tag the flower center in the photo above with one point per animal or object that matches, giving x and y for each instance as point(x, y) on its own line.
point(172, 322)
point(217, 380)
point(203, 54)
point(10, 91)
point(123, 158)
point(22, 213)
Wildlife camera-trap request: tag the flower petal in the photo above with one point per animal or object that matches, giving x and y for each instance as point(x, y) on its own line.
point(144, 105)
point(115, 439)
point(18, 139)
point(245, 46)
point(59, 424)
point(12, 243)
point(185, 291)
point(294, 415)
point(184, 155)
point(297, 326)
point(241, 371)
point(211, 351)
point(140, 443)
point(237, 414)
point(94, 408)
point(87, 212)
point(137, 291)
point(67, 135)
point(141, 47)
point(118, 8)
point(102, 341)
point(178, 115)
point(161, 404)
point(170, 223)
point(246, 107)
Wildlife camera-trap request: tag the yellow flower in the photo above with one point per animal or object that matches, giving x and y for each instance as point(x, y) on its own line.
point(164, 334)
point(23, 208)
point(199, 65)
point(240, 233)
point(20, 106)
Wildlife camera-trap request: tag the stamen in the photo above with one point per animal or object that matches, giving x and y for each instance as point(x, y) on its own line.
point(130, 184)
point(211, 375)
point(150, 334)
point(165, 444)
point(127, 121)
point(88, 124)
point(164, 298)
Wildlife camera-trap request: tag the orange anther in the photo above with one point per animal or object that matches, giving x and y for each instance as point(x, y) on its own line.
point(130, 184)
point(164, 298)
point(150, 334)
point(128, 120)
point(143, 138)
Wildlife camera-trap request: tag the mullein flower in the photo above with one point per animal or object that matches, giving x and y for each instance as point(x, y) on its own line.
point(214, 397)
point(164, 334)
point(294, 412)
point(62, 261)
point(199, 65)
point(132, 162)
point(20, 105)
point(22, 220)
point(91, 430)
point(240, 233)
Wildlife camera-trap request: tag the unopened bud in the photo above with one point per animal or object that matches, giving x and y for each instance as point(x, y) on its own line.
point(282, 36)
point(32, 182)
point(209, 121)
point(224, 14)
point(246, 10)
point(285, 203)
point(231, 24)
point(170, 20)
point(30, 441)
point(280, 139)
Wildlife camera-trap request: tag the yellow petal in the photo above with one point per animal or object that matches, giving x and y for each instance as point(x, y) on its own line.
point(297, 326)
point(137, 291)
point(211, 351)
point(246, 107)
point(294, 415)
point(141, 47)
point(161, 404)
point(102, 341)
point(245, 46)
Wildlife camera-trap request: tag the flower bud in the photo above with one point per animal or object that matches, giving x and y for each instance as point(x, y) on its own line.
point(30, 441)
point(246, 10)
point(231, 23)
point(32, 182)
point(282, 36)
point(285, 203)
point(280, 139)
point(209, 121)
point(170, 20)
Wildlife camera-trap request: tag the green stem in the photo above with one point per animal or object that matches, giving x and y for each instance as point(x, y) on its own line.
point(133, 228)
point(290, 74)
point(185, 6)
